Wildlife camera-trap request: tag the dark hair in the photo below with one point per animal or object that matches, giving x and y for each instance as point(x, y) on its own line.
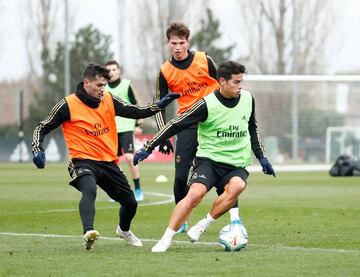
point(229, 68)
point(92, 70)
point(178, 29)
point(111, 62)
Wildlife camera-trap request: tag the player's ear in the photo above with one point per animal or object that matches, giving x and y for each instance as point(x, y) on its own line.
point(222, 80)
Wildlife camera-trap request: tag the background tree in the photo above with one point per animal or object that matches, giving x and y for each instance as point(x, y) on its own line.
point(41, 17)
point(153, 27)
point(1, 11)
point(89, 45)
point(151, 43)
point(286, 36)
point(207, 36)
point(153, 19)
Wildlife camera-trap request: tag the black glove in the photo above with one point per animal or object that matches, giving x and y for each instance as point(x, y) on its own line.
point(167, 99)
point(166, 147)
point(140, 155)
point(267, 167)
point(39, 159)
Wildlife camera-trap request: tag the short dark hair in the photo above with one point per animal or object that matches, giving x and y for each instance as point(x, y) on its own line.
point(111, 62)
point(229, 68)
point(92, 70)
point(178, 29)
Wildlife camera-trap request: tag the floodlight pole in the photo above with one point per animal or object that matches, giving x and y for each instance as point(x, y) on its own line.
point(21, 124)
point(121, 5)
point(295, 92)
point(172, 17)
point(172, 10)
point(66, 51)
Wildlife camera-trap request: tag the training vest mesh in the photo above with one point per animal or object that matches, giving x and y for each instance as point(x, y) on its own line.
point(192, 83)
point(122, 90)
point(91, 133)
point(224, 136)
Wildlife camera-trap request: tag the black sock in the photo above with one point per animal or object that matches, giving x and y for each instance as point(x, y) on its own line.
point(137, 183)
point(87, 186)
point(127, 212)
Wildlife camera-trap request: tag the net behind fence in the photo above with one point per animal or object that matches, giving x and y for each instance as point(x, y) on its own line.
point(297, 113)
point(301, 119)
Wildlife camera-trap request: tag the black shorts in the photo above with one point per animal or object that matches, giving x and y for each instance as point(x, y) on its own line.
point(214, 174)
point(186, 145)
point(107, 175)
point(126, 143)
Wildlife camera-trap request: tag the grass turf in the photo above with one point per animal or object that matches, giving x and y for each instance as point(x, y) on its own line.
point(299, 224)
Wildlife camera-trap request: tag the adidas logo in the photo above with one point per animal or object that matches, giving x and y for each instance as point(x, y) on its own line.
point(244, 117)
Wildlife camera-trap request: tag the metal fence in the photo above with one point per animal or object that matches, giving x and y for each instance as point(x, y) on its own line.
point(301, 119)
point(297, 113)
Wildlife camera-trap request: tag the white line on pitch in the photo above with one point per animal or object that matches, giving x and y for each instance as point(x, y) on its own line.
point(155, 203)
point(293, 248)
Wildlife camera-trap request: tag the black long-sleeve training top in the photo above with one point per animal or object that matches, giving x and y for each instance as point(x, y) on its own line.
point(61, 112)
point(162, 87)
point(199, 113)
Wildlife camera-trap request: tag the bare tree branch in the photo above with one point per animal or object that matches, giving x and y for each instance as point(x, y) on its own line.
point(270, 30)
point(42, 16)
point(153, 19)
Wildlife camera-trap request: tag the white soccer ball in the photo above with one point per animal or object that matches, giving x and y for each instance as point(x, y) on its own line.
point(233, 237)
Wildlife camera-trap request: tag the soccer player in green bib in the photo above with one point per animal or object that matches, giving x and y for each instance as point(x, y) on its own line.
point(227, 134)
point(126, 127)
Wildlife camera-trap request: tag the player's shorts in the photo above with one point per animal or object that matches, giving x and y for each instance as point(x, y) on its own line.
point(186, 144)
point(107, 175)
point(126, 143)
point(214, 174)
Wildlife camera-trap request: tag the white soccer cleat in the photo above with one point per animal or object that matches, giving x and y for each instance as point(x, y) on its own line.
point(129, 237)
point(195, 232)
point(89, 239)
point(161, 246)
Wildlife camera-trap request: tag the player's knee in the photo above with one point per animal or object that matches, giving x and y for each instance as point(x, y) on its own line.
point(234, 189)
point(129, 157)
point(91, 193)
point(237, 185)
point(196, 199)
point(195, 195)
point(87, 186)
point(131, 204)
point(192, 200)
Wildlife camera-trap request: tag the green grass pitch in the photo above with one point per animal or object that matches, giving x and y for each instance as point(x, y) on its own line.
point(299, 224)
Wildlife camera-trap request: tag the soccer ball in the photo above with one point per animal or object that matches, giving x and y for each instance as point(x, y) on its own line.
point(233, 237)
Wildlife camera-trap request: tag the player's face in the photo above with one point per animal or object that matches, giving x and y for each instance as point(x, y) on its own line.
point(114, 72)
point(231, 88)
point(96, 87)
point(178, 47)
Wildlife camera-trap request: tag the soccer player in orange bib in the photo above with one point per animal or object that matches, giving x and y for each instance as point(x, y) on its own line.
point(193, 76)
point(88, 124)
